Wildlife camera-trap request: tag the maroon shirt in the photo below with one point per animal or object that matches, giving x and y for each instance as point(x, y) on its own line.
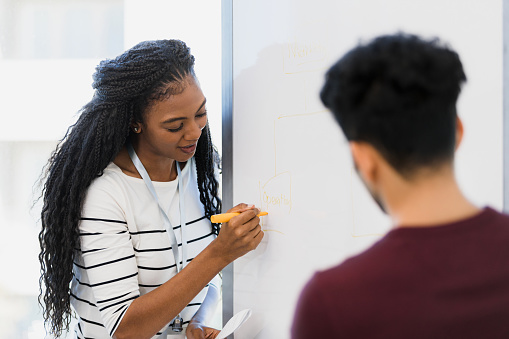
point(448, 281)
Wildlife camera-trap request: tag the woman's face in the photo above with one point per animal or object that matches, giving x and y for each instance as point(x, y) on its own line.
point(172, 126)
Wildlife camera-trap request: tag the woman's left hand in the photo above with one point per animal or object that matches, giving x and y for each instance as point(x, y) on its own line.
point(197, 331)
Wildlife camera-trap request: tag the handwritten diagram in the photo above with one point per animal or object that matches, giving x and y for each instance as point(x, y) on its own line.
point(276, 192)
point(305, 57)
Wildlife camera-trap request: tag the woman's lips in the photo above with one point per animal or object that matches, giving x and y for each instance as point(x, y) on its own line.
point(188, 149)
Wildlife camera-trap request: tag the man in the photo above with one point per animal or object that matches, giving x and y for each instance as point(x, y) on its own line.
point(443, 270)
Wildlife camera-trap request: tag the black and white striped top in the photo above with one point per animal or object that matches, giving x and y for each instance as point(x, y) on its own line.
point(125, 250)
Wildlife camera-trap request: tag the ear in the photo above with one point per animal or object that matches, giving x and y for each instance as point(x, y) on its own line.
point(365, 160)
point(459, 132)
point(136, 127)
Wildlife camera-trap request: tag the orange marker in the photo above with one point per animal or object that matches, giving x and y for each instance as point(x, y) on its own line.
point(225, 217)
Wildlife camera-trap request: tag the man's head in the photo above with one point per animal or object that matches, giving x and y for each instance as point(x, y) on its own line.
point(398, 94)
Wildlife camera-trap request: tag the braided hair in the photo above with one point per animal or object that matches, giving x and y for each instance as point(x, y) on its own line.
point(124, 87)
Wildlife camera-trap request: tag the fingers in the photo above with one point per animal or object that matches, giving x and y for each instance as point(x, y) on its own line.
point(243, 232)
point(256, 230)
point(258, 234)
point(241, 208)
point(211, 333)
point(246, 221)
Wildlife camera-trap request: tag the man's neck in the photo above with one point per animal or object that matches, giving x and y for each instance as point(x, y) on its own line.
point(431, 200)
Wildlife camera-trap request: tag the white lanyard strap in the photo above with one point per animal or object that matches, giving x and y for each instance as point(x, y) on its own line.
point(182, 207)
point(171, 233)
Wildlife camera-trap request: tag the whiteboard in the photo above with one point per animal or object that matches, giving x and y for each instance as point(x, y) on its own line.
point(290, 158)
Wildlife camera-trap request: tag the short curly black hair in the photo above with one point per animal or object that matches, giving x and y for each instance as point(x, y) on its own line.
point(398, 93)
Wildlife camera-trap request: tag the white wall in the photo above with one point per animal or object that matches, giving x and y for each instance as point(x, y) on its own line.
point(198, 24)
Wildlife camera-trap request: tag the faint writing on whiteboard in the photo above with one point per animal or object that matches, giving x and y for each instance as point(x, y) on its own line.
point(306, 50)
point(304, 57)
point(276, 198)
point(282, 199)
point(276, 194)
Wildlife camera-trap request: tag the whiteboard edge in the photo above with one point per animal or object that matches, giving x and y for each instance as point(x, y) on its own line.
point(227, 139)
point(505, 118)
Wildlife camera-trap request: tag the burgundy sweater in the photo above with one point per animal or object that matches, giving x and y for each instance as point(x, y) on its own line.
point(447, 281)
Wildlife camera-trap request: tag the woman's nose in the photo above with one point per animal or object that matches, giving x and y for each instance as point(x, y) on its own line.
point(194, 132)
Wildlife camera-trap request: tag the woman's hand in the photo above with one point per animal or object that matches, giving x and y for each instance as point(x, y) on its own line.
point(241, 234)
point(197, 331)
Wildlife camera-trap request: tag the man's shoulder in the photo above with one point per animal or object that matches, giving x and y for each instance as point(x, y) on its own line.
point(364, 267)
point(495, 217)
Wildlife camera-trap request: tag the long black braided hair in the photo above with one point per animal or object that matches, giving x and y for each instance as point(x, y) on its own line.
point(124, 87)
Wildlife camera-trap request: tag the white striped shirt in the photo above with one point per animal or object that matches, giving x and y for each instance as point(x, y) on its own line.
point(125, 250)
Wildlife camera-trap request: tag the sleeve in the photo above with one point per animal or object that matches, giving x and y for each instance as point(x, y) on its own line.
point(309, 318)
point(107, 254)
point(208, 307)
point(216, 282)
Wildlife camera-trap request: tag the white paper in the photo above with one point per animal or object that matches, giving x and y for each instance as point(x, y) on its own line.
point(234, 323)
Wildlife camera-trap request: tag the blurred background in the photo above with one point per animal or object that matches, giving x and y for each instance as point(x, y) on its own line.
point(48, 53)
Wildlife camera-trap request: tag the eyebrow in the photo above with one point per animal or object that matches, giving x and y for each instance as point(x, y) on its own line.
point(184, 118)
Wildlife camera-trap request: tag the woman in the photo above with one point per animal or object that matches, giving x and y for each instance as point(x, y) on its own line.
point(127, 201)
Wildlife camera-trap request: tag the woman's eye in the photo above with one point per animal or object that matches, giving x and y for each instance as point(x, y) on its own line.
point(201, 115)
point(176, 129)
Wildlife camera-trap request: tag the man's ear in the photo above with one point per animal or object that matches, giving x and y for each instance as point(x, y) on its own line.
point(459, 132)
point(365, 160)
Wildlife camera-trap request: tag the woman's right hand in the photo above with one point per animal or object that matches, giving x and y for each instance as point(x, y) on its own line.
point(241, 234)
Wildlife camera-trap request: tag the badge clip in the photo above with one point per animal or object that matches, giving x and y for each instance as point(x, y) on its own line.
point(177, 324)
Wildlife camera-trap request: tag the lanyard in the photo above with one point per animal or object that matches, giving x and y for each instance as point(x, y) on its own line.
point(177, 321)
point(171, 233)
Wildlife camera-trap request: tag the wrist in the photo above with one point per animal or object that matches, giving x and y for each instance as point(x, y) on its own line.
point(195, 323)
point(218, 253)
